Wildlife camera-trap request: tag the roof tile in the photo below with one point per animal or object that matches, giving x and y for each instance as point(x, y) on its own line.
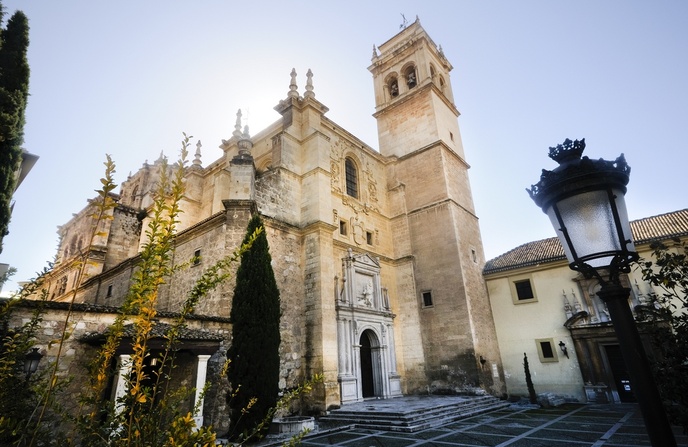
point(664, 226)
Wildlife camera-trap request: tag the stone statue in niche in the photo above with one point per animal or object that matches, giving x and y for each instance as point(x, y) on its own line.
point(366, 297)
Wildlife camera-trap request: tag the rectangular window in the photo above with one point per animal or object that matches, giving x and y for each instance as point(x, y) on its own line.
point(342, 227)
point(522, 290)
point(427, 298)
point(546, 351)
point(109, 292)
point(197, 257)
point(369, 237)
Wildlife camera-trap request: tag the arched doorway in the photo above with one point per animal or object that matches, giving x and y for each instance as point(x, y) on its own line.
point(371, 376)
point(367, 381)
point(365, 331)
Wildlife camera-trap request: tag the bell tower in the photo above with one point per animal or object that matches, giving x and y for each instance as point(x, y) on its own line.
point(414, 103)
point(435, 222)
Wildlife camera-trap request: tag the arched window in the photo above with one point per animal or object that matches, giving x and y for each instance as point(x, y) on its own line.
point(134, 195)
point(393, 87)
point(351, 178)
point(410, 75)
point(264, 167)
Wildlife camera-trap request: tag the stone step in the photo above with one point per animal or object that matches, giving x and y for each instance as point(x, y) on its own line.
point(410, 418)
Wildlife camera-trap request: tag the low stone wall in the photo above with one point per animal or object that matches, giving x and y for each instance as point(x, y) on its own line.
point(76, 352)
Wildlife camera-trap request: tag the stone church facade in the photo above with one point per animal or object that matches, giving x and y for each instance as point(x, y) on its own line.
point(377, 255)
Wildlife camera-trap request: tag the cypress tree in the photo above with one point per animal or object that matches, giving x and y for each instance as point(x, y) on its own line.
point(14, 91)
point(532, 396)
point(254, 353)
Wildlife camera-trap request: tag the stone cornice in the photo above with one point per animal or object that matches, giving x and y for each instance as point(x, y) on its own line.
point(101, 309)
point(432, 145)
point(318, 226)
point(438, 204)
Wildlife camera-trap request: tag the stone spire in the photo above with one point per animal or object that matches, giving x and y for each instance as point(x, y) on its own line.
point(642, 299)
point(197, 156)
point(309, 85)
point(237, 125)
point(245, 144)
point(375, 55)
point(567, 306)
point(293, 93)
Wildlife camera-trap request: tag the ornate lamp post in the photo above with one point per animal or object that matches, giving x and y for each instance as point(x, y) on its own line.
point(584, 199)
point(31, 361)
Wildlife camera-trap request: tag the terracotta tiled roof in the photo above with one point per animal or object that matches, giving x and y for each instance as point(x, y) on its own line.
point(664, 226)
point(159, 330)
point(660, 227)
point(99, 308)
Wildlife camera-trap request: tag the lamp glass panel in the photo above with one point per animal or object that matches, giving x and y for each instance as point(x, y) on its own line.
point(589, 220)
point(623, 218)
point(31, 364)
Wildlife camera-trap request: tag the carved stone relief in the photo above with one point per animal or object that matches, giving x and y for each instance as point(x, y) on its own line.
point(336, 151)
point(372, 187)
point(355, 205)
point(365, 285)
point(358, 230)
point(367, 180)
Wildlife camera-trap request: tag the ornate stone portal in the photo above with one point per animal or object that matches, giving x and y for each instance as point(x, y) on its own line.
point(365, 332)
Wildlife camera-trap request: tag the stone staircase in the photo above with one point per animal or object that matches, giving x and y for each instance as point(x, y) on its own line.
point(410, 413)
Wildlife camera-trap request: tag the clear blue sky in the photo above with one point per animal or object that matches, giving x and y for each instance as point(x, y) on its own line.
point(128, 77)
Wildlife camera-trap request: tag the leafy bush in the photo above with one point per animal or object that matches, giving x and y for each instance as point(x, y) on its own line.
point(667, 271)
point(150, 411)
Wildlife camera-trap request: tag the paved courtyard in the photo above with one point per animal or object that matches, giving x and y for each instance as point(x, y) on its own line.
point(569, 425)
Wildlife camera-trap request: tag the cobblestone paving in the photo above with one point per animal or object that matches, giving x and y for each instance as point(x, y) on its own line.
point(618, 425)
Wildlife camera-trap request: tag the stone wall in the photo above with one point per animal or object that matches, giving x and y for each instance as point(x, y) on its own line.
point(125, 232)
point(76, 354)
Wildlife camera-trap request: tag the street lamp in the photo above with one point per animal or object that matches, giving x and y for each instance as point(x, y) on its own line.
point(31, 361)
point(584, 200)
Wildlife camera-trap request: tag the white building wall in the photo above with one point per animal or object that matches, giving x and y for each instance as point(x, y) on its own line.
point(519, 325)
